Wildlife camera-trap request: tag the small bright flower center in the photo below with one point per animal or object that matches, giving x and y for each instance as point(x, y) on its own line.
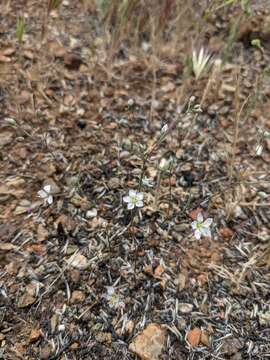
point(198, 226)
point(133, 200)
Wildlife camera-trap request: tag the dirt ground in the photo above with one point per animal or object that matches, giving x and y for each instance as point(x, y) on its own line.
point(71, 121)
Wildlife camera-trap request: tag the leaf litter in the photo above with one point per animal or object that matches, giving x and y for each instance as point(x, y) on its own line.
point(79, 128)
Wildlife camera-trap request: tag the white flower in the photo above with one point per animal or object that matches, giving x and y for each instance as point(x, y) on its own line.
point(113, 298)
point(45, 194)
point(264, 133)
point(201, 228)
point(147, 182)
point(131, 102)
point(199, 62)
point(164, 164)
point(134, 199)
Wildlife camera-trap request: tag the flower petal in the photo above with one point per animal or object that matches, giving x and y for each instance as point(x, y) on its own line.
point(206, 232)
point(50, 199)
point(200, 218)
point(197, 234)
point(110, 290)
point(132, 193)
point(208, 222)
point(194, 225)
point(47, 188)
point(139, 196)
point(126, 199)
point(42, 194)
point(130, 206)
point(139, 203)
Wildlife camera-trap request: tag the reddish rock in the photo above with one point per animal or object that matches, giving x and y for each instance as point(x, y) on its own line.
point(148, 344)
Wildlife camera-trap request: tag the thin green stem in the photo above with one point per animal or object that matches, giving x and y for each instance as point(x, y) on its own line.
point(158, 188)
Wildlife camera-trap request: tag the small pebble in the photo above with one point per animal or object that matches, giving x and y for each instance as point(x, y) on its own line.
point(185, 308)
point(91, 213)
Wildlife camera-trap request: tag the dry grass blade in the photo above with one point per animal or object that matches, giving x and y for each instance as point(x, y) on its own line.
point(200, 62)
point(122, 218)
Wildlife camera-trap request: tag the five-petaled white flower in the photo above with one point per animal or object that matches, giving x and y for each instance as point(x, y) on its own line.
point(114, 300)
point(200, 227)
point(45, 194)
point(147, 182)
point(134, 199)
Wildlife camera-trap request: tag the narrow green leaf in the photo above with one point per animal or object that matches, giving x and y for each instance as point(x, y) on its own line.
point(20, 29)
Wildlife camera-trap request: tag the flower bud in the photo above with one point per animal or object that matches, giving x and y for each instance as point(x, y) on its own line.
point(164, 164)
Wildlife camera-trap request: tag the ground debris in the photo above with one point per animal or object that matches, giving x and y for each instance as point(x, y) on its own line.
point(83, 277)
point(149, 343)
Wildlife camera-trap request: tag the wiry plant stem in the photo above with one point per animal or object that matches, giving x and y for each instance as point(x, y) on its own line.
point(238, 113)
point(236, 126)
point(158, 188)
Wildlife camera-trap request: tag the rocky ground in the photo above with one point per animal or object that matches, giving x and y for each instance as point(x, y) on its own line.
point(84, 277)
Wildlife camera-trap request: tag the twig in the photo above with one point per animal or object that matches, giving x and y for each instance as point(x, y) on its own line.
point(59, 276)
